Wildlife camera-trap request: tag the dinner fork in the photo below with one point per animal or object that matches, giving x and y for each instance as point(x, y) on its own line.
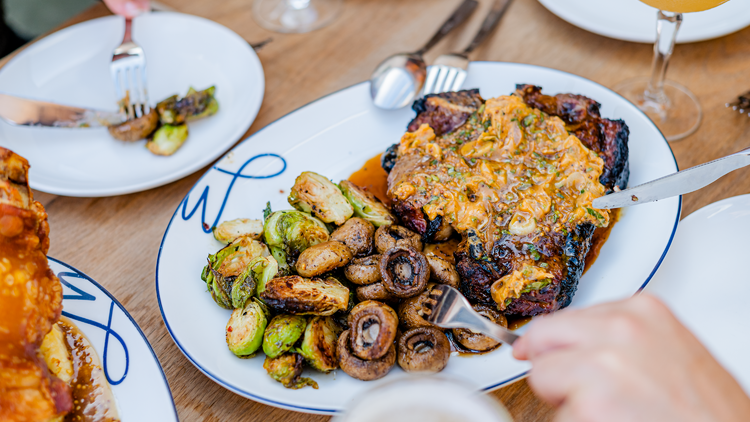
point(446, 307)
point(448, 72)
point(741, 104)
point(128, 70)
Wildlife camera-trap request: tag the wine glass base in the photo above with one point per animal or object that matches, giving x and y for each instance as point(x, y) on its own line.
point(677, 114)
point(295, 16)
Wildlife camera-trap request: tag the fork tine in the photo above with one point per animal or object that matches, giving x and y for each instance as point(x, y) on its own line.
point(440, 80)
point(429, 82)
point(449, 78)
point(135, 92)
point(144, 90)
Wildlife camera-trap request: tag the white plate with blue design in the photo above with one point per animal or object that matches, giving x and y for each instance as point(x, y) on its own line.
point(128, 361)
point(334, 136)
point(71, 67)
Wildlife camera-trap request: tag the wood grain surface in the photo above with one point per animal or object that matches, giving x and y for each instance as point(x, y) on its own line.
point(116, 240)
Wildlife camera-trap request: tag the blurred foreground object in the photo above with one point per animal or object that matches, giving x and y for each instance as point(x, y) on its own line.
point(295, 16)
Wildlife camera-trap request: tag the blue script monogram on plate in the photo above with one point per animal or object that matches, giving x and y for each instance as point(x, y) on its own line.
point(85, 296)
point(203, 199)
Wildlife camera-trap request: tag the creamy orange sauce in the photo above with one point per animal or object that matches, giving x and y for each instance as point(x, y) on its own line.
point(372, 177)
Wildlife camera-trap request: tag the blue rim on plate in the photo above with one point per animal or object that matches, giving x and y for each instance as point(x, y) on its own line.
point(86, 296)
point(203, 201)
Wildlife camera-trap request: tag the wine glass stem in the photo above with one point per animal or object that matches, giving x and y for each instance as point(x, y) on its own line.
point(667, 25)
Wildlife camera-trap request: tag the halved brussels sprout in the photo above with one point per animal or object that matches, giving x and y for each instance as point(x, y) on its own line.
point(227, 264)
point(281, 261)
point(303, 296)
point(293, 231)
point(287, 369)
point(258, 272)
point(282, 333)
point(228, 231)
point(168, 139)
point(195, 105)
point(366, 205)
point(316, 194)
point(246, 327)
point(319, 344)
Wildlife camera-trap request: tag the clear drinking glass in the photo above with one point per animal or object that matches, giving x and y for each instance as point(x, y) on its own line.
point(674, 109)
point(295, 15)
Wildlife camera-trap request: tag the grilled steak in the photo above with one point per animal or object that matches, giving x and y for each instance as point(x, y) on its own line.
point(515, 176)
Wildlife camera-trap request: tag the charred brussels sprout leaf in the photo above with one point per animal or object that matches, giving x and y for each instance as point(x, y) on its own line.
point(282, 333)
point(366, 205)
point(303, 296)
point(319, 343)
point(225, 266)
point(245, 329)
point(195, 105)
point(228, 231)
point(281, 261)
point(263, 270)
point(293, 232)
point(168, 139)
point(316, 194)
point(287, 369)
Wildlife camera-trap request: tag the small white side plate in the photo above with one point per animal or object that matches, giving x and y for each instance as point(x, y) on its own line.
point(130, 365)
point(631, 20)
point(703, 280)
point(72, 67)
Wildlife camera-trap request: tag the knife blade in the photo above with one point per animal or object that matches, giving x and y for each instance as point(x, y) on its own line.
point(679, 183)
point(28, 112)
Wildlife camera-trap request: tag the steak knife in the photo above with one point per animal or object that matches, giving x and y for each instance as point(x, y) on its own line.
point(679, 183)
point(27, 112)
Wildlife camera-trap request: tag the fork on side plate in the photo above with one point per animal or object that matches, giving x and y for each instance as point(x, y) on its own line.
point(128, 69)
point(741, 104)
point(446, 307)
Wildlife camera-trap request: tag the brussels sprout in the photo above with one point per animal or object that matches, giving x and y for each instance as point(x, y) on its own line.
point(316, 194)
point(303, 296)
point(258, 272)
point(263, 270)
point(287, 369)
point(168, 139)
point(227, 265)
point(195, 105)
point(281, 334)
point(281, 261)
point(293, 231)
point(246, 327)
point(366, 205)
point(228, 231)
point(319, 344)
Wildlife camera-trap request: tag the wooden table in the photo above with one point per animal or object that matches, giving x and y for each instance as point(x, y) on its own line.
point(115, 240)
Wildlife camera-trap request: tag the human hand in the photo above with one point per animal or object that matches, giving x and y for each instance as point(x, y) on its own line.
point(627, 361)
point(128, 8)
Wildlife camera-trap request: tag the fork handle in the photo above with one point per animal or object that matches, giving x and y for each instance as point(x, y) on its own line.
point(128, 31)
point(489, 24)
point(459, 15)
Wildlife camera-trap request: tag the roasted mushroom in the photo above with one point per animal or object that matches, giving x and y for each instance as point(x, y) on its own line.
point(322, 258)
point(375, 291)
point(320, 342)
point(293, 232)
point(135, 129)
point(476, 341)
point(365, 370)
point(363, 271)
point(287, 369)
point(423, 349)
point(303, 296)
point(167, 139)
point(366, 205)
point(227, 264)
point(373, 327)
point(411, 310)
point(357, 234)
point(282, 333)
point(245, 328)
point(316, 194)
point(387, 237)
point(404, 271)
point(442, 271)
point(228, 231)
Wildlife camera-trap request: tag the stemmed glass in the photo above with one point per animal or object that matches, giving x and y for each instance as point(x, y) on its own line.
point(673, 108)
point(295, 15)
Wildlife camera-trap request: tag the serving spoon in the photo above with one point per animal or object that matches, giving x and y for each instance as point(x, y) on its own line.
point(398, 79)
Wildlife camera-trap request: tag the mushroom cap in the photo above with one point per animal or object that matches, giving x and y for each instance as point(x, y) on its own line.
point(410, 310)
point(373, 327)
point(365, 370)
point(423, 349)
point(404, 271)
point(476, 341)
point(392, 235)
point(363, 271)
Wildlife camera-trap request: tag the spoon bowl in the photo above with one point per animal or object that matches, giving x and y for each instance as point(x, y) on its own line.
point(398, 80)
